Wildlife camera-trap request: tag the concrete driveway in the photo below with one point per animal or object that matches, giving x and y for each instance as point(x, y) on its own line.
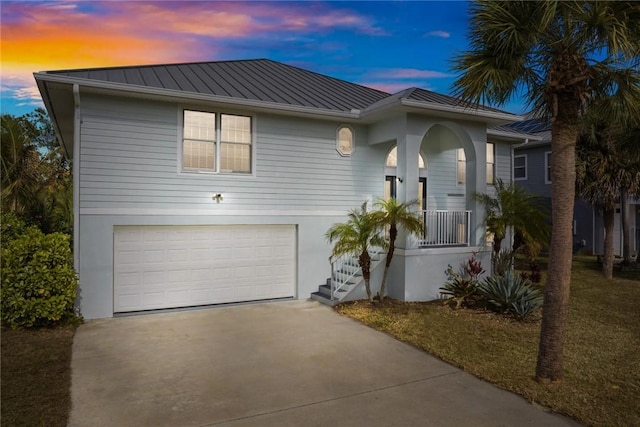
point(294, 363)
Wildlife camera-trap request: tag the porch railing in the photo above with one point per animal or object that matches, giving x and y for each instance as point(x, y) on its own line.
point(446, 228)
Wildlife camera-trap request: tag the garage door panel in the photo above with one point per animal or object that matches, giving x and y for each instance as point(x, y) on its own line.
point(164, 266)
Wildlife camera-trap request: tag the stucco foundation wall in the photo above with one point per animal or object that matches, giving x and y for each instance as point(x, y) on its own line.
point(96, 252)
point(418, 274)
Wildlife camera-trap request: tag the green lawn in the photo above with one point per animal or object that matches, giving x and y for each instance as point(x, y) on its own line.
point(602, 354)
point(36, 376)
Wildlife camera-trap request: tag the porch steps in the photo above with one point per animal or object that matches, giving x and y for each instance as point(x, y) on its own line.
point(350, 270)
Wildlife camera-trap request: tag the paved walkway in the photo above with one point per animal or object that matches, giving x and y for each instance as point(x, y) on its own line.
point(294, 363)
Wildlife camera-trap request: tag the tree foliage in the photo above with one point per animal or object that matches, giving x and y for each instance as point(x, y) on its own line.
point(36, 177)
point(356, 236)
point(560, 55)
point(395, 216)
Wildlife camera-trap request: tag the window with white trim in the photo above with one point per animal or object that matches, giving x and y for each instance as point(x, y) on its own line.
point(547, 167)
point(491, 163)
point(520, 167)
point(216, 142)
point(461, 170)
point(344, 142)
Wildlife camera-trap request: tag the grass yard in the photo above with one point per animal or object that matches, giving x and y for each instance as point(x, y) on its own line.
point(36, 376)
point(602, 354)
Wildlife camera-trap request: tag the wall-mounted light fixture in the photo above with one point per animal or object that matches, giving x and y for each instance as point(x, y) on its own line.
point(399, 179)
point(218, 197)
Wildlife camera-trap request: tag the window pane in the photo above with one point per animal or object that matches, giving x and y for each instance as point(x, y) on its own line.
point(461, 166)
point(518, 162)
point(199, 125)
point(392, 159)
point(345, 140)
point(519, 172)
point(235, 157)
point(490, 174)
point(198, 154)
point(490, 153)
point(235, 129)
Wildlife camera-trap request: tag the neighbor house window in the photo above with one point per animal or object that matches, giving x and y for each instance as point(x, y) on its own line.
point(491, 163)
point(547, 167)
point(461, 166)
point(213, 142)
point(520, 167)
point(344, 144)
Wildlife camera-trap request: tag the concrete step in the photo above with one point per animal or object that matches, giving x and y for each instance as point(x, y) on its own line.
point(326, 290)
point(324, 299)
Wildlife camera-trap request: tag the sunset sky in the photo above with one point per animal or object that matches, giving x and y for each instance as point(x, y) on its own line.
point(386, 45)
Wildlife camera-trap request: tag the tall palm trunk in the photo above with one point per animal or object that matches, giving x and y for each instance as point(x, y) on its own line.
point(626, 231)
point(607, 263)
point(393, 234)
point(556, 294)
point(365, 264)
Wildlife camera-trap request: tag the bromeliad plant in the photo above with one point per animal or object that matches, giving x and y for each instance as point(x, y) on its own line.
point(462, 285)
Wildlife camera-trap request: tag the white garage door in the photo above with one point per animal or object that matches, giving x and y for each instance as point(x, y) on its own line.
point(180, 266)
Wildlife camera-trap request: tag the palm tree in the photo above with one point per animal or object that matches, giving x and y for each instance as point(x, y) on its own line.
point(553, 52)
point(606, 174)
point(512, 207)
point(356, 236)
point(21, 178)
point(397, 216)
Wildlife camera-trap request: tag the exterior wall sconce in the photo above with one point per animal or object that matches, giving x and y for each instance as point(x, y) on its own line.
point(400, 180)
point(218, 197)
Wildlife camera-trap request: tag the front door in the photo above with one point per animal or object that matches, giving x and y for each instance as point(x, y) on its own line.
point(390, 186)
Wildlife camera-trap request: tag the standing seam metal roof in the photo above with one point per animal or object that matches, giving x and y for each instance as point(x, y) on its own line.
point(259, 79)
point(262, 80)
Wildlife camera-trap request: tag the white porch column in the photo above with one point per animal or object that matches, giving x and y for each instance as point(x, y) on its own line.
point(408, 172)
point(476, 182)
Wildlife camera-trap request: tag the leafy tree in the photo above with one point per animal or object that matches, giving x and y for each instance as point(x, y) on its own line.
point(557, 53)
point(356, 236)
point(512, 207)
point(397, 216)
point(36, 176)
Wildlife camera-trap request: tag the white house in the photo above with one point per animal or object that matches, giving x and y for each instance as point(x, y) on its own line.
point(209, 183)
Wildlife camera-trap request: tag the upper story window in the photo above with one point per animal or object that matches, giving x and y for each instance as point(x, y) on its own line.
point(461, 166)
point(491, 163)
point(547, 167)
point(344, 143)
point(214, 142)
point(392, 159)
point(520, 167)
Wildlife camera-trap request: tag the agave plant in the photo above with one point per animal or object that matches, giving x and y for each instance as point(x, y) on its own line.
point(510, 293)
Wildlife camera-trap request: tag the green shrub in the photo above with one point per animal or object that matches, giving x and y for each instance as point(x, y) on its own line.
point(39, 284)
point(11, 226)
point(510, 293)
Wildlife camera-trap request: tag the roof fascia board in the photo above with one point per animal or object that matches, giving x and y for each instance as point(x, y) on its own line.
point(513, 136)
point(507, 117)
point(171, 93)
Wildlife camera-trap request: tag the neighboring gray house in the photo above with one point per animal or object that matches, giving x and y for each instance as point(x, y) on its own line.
point(532, 171)
point(209, 183)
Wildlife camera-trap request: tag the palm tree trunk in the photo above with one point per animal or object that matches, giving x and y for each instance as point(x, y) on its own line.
point(497, 244)
point(607, 263)
point(626, 231)
point(393, 233)
point(564, 133)
point(365, 264)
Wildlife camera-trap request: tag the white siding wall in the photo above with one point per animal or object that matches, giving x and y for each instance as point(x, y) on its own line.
point(129, 160)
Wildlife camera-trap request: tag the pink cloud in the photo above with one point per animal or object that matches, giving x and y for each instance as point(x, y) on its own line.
point(407, 73)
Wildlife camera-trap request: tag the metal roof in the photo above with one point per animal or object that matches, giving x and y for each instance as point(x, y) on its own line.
point(258, 79)
point(265, 81)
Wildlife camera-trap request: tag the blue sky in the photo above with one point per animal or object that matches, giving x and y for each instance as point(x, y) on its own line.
point(386, 45)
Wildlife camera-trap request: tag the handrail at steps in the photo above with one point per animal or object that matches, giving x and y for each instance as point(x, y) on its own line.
point(336, 284)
